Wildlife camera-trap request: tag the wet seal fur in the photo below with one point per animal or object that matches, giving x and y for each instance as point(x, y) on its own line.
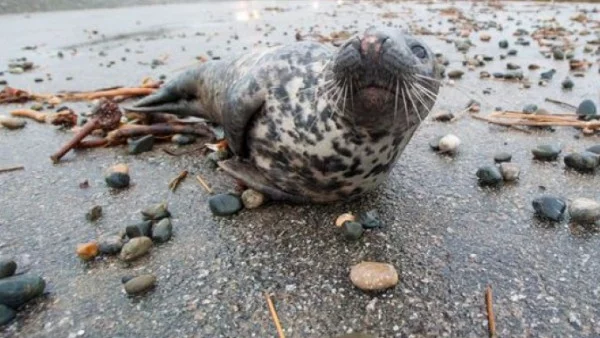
point(307, 122)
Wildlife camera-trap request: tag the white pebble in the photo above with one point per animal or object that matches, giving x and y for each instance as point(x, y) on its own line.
point(449, 143)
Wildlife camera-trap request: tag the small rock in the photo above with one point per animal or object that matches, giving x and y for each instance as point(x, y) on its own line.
point(503, 43)
point(435, 143)
point(110, 245)
point(502, 157)
point(510, 171)
point(36, 107)
point(87, 251)
point(449, 144)
point(484, 75)
point(352, 230)
point(455, 74)
point(473, 106)
point(586, 110)
point(224, 204)
point(512, 66)
point(512, 52)
point(162, 231)
point(140, 145)
point(530, 108)
point(533, 66)
point(6, 315)
point(182, 140)
point(585, 161)
point(549, 207)
point(558, 54)
point(369, 219)
point(343, 218)
point(594, 149)
point(443, 117)
point(118, 176)
point(156, 212)
point(252, 199)
point(16, 70)
point(567, 83)
point(12, 123)
point(489, 175)
point(94, 214)
point(126, 278)
point(140, 284)
point(18, 290)
point(7, 268)
point(135, 248)
point(498, 75)
point(515, 74)
point(546, 152)
point(547, 75)
point(139, 230)
point(584, 210)
point(485, 37)
point(373, 276)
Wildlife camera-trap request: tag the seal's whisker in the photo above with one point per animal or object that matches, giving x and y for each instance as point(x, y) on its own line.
point(413, 102)
point(405, 106)
point(396, 100)
point(425, 91)
point(421, 100)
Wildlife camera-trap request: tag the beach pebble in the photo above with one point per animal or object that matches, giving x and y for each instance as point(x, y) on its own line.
point(182, 140)
point(585, 161)
point(369, 219)
point(140, 229)
point(584, 210)
point(549, 207)
point(352, 230)
point(502, 157)
point(587, 110)
point(455, 74)
point(156, 212)
point(139, 284)
point(594, 149)
point(87, 251)
point(547, 75)
point(110, 244)
point(12, 122)
point(18, 290)
point(140, 145)
point(503, 43)
point(489, 175)
point(7, 268)
point(449, 144)
point(94, 214)
point(6, 315)
point(512, 66)
point(252, 199)
point(510, 171)
point(434, 144)
point(118, 176)
point(135, 248)
point(224, 204)
point(530, 109)
point(546, 152)
point(567, 83)
point(373, 276)
point(343, 218)
point(162, 231)
point(485, 37)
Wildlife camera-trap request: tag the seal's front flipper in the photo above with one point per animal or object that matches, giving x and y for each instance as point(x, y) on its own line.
point(179, 97)
point(255, 180)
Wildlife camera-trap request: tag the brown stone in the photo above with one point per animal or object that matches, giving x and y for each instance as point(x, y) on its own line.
point(373, 276)
point(135, 248)
point(87, 251)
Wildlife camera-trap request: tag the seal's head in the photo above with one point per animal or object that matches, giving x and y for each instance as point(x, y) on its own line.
point(387, 73)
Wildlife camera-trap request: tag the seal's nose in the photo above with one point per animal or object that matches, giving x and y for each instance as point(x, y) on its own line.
point(371, 44)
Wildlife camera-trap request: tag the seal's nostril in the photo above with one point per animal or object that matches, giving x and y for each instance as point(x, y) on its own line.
point(371, 45)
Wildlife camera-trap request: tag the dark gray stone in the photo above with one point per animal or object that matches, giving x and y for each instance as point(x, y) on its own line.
point(586, 161)
point(489, 175)
point(7, 268)
point(224, 204)
point(549, 207)
point(369, 219)
point(567, 83)
point(6, 314)
point(117, 180)
point(587, 110)
point(434, 144)
point(548, 75)
point(502, 157)
point(182, 140)
point(594, 149)
point(503, 43)
point(140, 145)
point(162, 231)
point(352, 230)
point(18, 290)
point(546, 152)
point(110, 245)
point(94, 214)
point(139, 229)
point(530, 108)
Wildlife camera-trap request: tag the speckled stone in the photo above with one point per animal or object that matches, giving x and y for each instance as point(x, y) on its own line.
point(94, 214)
point(489, 175)
point(584, 210)
point(140, 145)
point(549, 207)
point(510, 171)
point(162, 231)
point(135, 248)
point(369, 219)
point(110, 244)
point(585, 161)
point(140, 284)
point(7, 268)
point(18, 290)
point(352, 230)
point(252, 199)
point(546, 152)
point(373, 276)
point(156, 212)
point(224, 204)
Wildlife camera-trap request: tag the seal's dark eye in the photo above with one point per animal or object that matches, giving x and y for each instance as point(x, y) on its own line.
point(419, 51)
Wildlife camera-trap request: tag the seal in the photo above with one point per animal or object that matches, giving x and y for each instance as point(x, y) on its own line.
point(308, 122)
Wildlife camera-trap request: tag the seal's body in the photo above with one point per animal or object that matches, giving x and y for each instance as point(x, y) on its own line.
point(309, 123)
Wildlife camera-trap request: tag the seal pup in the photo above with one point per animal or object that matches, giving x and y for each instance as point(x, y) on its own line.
point(308, 122)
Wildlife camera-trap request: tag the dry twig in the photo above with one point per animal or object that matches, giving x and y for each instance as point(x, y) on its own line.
point(175, 182)
point(13, 168)
point(203, 184)
point(274, 316)
point(490, 312)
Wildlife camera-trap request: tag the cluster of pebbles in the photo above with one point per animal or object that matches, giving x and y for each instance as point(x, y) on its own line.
point(135, 241)
point(16, 290)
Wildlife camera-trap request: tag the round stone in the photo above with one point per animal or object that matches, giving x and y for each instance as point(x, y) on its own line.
point(510, 171)
point(224, 204)
point(12, 123)
point(139, 229)
point(584, 210)
point(352, 230)
point(502, 157)
point(110, 245)
point(549, 207)
point(140, 145)
point(156, 212)
point(183, 140)
point(558, 54)
point(512, 52)
point(455, 74)
point(135, 248)
point(6, 315)
point(87, 251)
point(547, 75)
point(162, 231)
point(252, 199)
point(7, 268)
point(373, 276)
point(117, 180)
point(489, 175)
point(586, 110)
point(585, 161)
point(546, 152)
point(530, 108)
point(449, 143)
point(512, 66)
point(18, 290)
point(370, 219)
point(568, 83)
point(140, 284)
point(503, 43)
